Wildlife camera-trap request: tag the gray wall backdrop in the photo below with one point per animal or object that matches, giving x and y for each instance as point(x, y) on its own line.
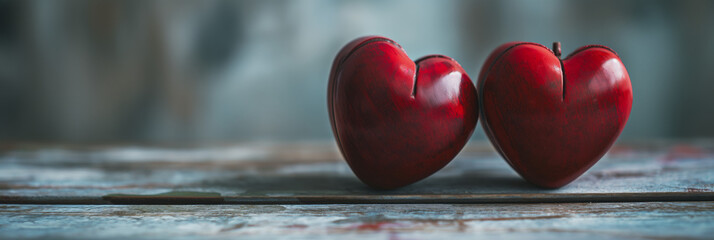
point(211, 71)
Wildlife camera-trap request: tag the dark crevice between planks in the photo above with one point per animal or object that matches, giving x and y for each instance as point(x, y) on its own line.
point(190, 198)
point(166, 198)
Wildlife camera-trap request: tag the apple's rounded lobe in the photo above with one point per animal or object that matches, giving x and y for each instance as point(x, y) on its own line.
point(397, 121)
point(552, 119)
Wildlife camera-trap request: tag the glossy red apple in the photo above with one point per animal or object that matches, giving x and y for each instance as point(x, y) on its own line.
point(552, 119)
point(397, 121)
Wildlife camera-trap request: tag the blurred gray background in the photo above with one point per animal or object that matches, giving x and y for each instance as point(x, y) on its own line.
point(214, 71)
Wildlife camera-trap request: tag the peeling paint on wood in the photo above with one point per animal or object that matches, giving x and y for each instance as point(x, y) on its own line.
point(653, 220)
point(315, 173)
point(634, 186)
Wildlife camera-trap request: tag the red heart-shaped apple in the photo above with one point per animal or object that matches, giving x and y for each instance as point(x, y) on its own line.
point(552, 119)
point(397, 121)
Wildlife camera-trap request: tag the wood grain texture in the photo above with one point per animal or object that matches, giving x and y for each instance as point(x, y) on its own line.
point(314, 173)
point(253, 190)
point(656, 220)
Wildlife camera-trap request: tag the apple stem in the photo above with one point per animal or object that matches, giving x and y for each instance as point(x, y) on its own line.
point(556, 48)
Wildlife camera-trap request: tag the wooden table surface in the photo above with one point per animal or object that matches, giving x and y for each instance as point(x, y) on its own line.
point(649, 190)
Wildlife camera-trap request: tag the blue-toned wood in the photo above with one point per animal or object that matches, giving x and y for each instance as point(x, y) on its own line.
point(284, 173)
point(653, 220)
point(644, 191)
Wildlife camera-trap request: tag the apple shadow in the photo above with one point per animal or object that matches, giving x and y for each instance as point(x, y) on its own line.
point(467, 183)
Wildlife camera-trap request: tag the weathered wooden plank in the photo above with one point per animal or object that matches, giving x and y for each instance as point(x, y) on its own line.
point(314, 172)
point(654, 220)
point(194, 198)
